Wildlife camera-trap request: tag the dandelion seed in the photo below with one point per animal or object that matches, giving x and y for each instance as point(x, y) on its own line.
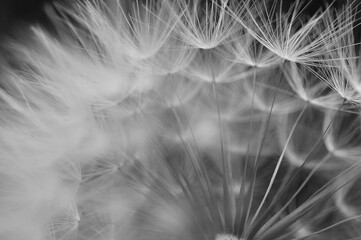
point(243, 48)
point(203, 25)
point(341, 64)
point(287, 35)
point(64, 225)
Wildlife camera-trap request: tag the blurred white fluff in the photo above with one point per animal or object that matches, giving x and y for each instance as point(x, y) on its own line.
point(222, 119)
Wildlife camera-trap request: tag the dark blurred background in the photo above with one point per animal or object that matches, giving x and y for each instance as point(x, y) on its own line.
point(15, 13)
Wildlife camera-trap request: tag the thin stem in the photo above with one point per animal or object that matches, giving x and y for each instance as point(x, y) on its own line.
point(240, 219)
point(285, 187)
point(279, 162)
point(228, 201)
point(254, 173)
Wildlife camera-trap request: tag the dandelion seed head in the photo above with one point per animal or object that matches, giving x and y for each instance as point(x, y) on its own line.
point(178, 120)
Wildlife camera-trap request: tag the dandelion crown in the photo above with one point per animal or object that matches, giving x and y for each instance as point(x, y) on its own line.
point(182, 120)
